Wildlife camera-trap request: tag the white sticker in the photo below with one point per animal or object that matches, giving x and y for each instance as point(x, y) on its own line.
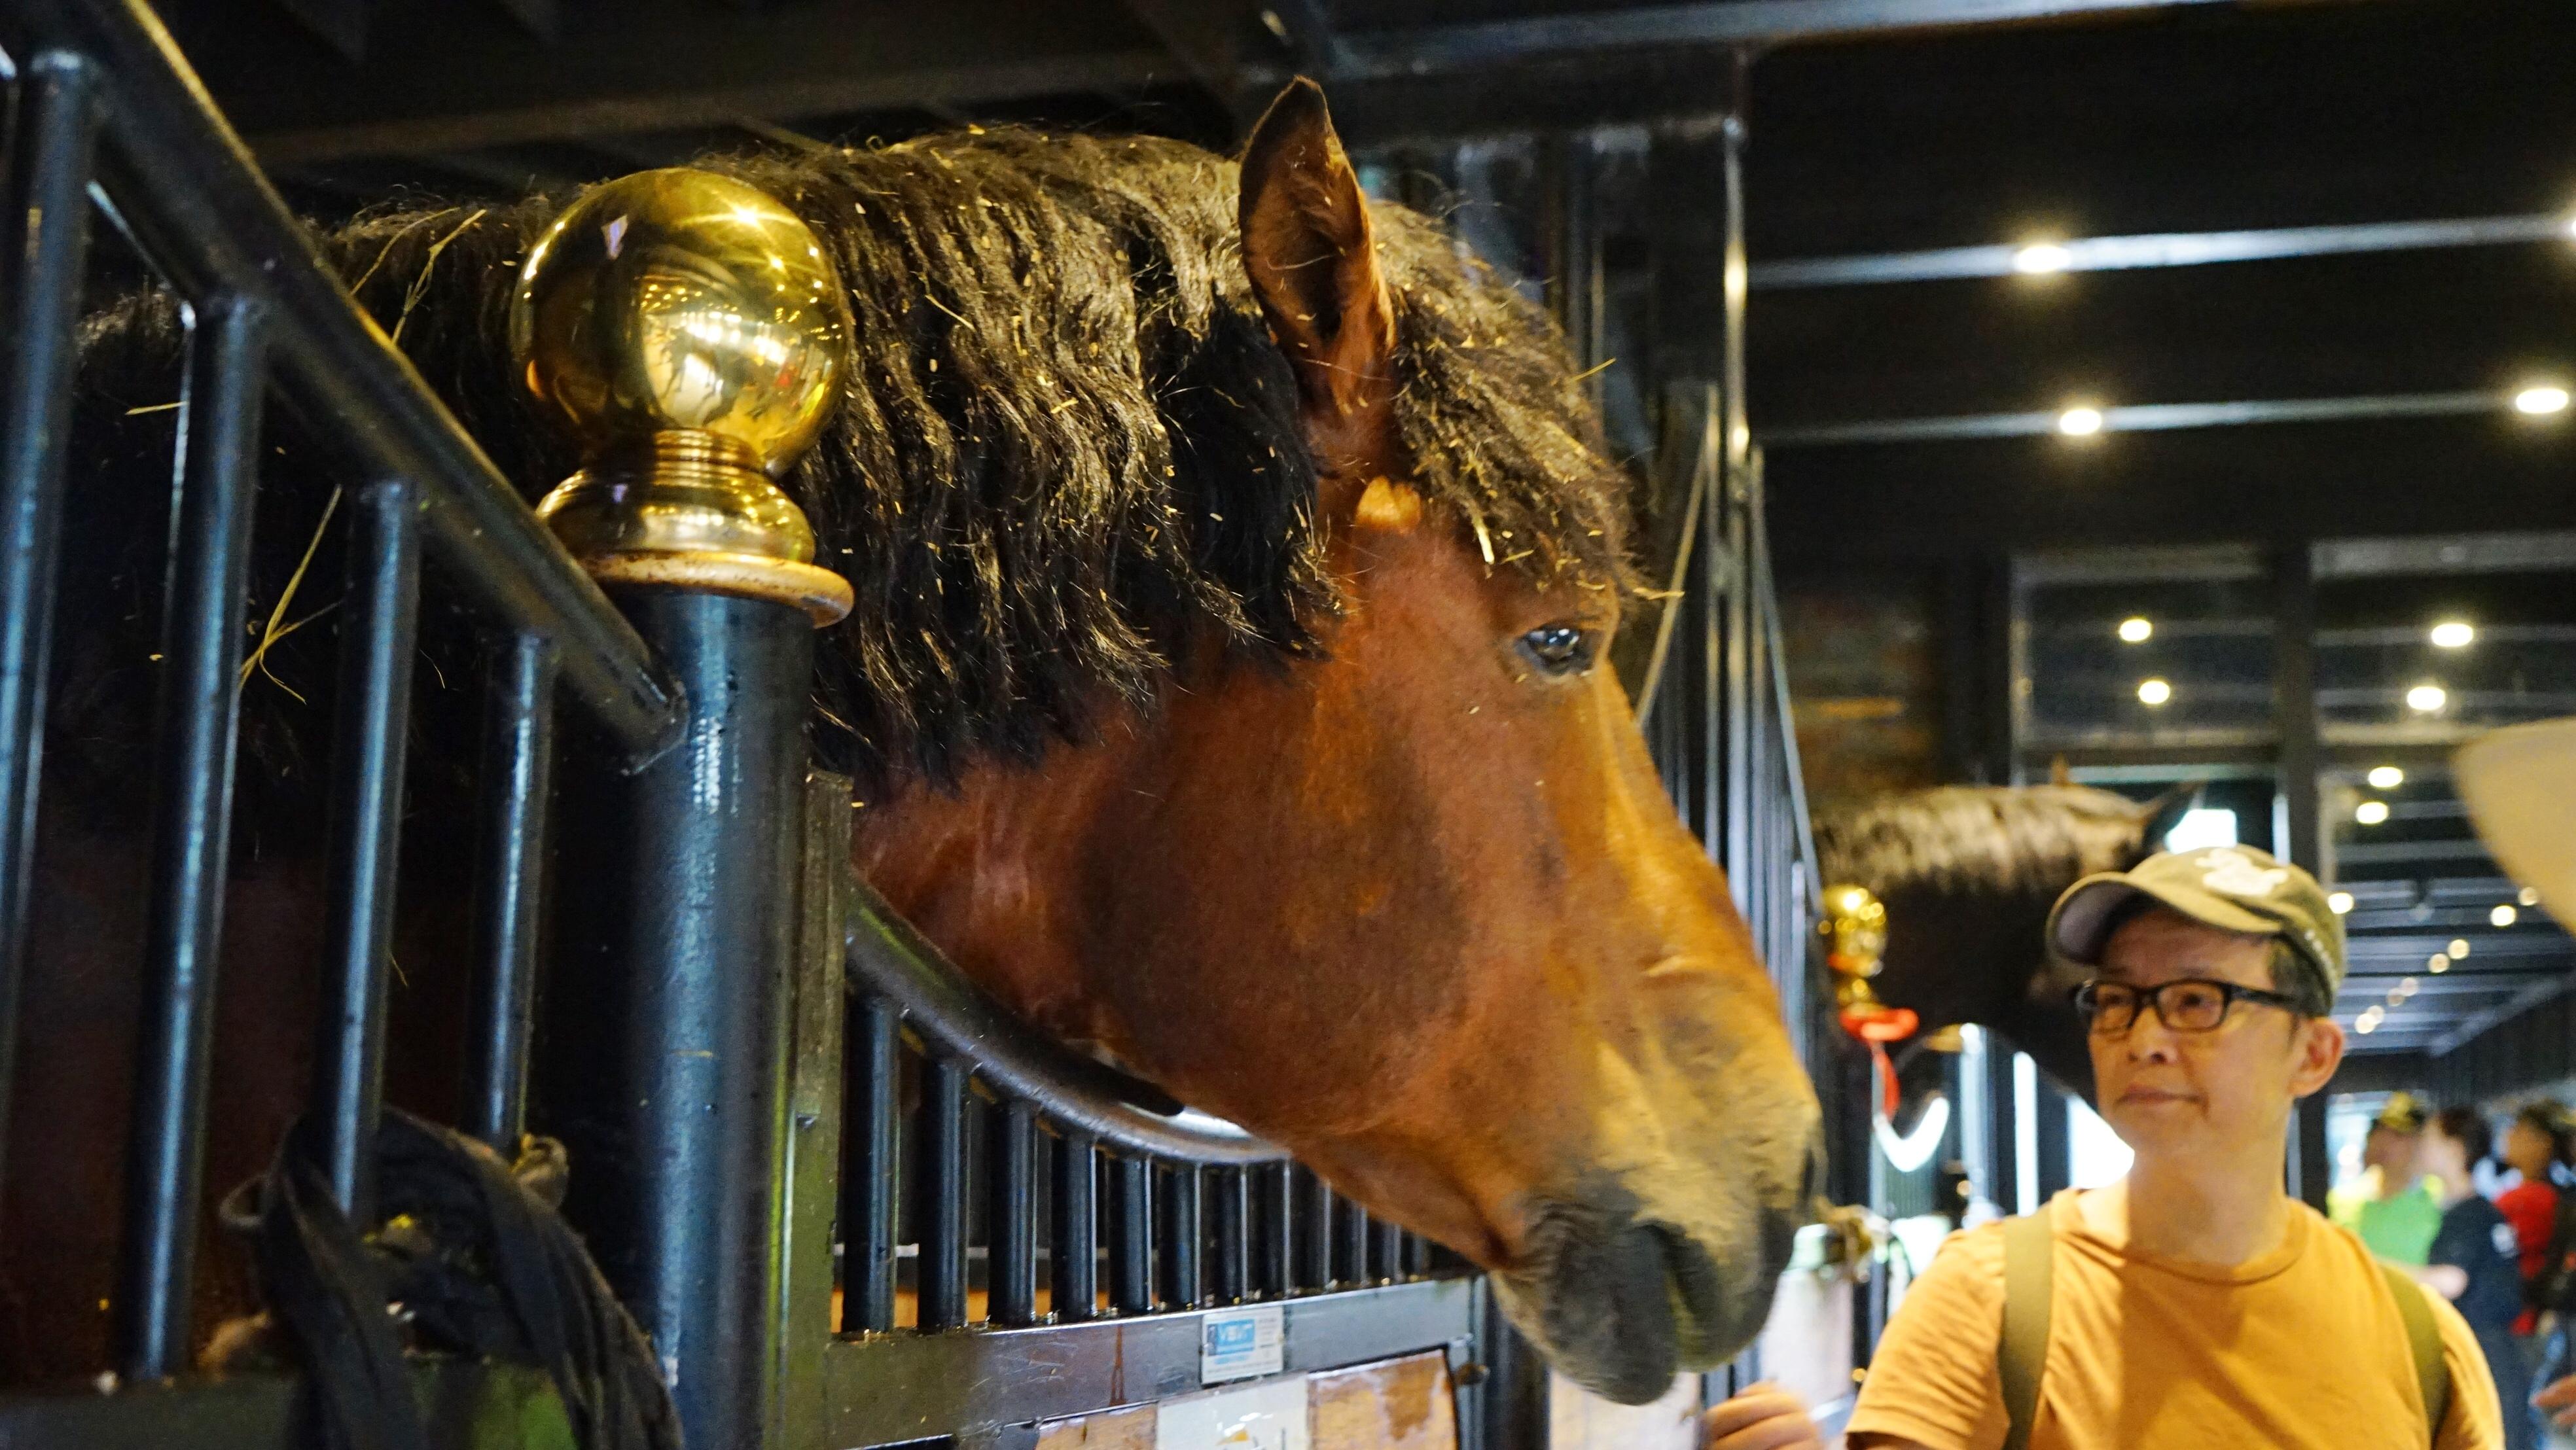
point(1237, 1344)
point(1267, 1416)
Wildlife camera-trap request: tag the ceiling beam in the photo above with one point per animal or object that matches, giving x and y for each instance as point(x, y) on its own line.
point(2521, 1002)
point(2142, 418)
point(1437, 49)
point(1203, 35)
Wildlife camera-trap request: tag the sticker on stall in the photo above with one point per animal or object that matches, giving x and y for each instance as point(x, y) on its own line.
point(1240, 1343)
point(1267, 1416)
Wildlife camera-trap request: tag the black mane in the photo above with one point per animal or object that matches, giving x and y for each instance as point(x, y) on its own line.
point(1068, 454)
point(1981, 840)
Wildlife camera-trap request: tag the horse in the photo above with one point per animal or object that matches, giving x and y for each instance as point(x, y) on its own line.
point(1236, 564)
point(1968, 874)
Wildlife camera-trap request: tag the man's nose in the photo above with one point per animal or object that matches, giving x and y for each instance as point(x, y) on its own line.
point(2150, 1040)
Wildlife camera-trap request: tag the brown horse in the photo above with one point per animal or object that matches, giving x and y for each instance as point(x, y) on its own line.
point(1235, 568)
point(1968, 874)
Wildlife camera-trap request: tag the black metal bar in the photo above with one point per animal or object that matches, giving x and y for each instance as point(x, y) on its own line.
point(369, 735)
point(1011, 1217)
point(1314, 1203)
point(1417, 1256)
point(1233, 1235)
point(666, 1003)
point(939, 1215)
point(1350, 1241)
point(198, 204)
point(870, 1186)
point(201, 648)
point(1131, 1235)
point(1073, 1253)
point(43, 240)
point(1277, 1210)
point(1184, 1232)
point(518, 779)
point(1385, 1251)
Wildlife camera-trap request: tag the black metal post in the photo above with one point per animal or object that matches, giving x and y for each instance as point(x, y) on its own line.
point(1314, 1230)
point(196, 733)
point(1277, 1211)
point(44, 235)
point(665, 1006)
point(1233, 1235)
point(1385, 1251)
point(1350, 1241)
point(518, 781)
point(1184, 1229)
point(939, 1214)
point(870, 1189)
point(369, 735)
point(1074, 1253)
point(1011, 1215)
point(1131, 1235)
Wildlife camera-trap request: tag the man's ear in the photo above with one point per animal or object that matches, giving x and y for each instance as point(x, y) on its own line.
point(2320, 1047)
point(1312, 256)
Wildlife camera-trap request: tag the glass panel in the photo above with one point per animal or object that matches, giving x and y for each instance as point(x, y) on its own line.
point(2123, 661)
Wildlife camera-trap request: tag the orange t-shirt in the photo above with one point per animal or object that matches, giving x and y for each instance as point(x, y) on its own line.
point(2302, 1347)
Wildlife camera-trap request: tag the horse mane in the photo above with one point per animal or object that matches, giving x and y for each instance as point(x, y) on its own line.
point(1993, 840)
point(1068, 458)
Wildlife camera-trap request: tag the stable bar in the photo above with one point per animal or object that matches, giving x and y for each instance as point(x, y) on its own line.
point(1417, 1256)
point(1073, 1253)
point(517, 785)
point(1314, 1230)
point(939, 1214)
point(1276, 1209)
point(1184, 1232)
point(1385, 1251)
point(1131, 1235)
point(1011, 1215)
point(195, 735)
point(1350, 1241)
point(369, 734)
point(870, 1180)
point(1233, 1235)
point(44, 236)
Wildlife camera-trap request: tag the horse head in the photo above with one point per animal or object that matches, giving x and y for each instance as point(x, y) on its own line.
point(1968, 874)
point(1414, 904)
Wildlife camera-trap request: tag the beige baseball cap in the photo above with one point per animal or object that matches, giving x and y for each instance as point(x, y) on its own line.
point(2233, 888)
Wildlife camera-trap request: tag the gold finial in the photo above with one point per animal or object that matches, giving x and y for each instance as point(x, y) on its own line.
point(691, 334)
point(1855, 931)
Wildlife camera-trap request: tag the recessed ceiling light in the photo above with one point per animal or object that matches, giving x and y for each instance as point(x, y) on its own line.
point(2080, 422)
point(2154, 692)
point(2453, 634)
point(2135, 629)
point(2385, 777)
point(2425, 699)
point(2503, 916)
point(2527, 896)
point(2041, 258)
point(2370, 813)
point(2339, 902)
point(2459, 947)
point(2540, 401)
point(2437, 964)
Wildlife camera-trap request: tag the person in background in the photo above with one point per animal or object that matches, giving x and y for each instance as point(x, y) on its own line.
point(2541, 1138)
point(2476, 1262)
point(2395, 1213)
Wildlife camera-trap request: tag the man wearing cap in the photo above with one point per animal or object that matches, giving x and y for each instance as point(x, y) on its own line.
point(2194, 1302)
point(2394, 1211)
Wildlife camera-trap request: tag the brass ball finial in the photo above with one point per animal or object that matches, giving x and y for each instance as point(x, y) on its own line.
point(690, 333)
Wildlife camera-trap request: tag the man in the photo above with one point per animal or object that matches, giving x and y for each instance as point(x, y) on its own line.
point(2394, 1211)
point(2194, 1302)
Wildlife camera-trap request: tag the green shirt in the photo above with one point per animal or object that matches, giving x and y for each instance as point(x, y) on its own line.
point(2400, 1228)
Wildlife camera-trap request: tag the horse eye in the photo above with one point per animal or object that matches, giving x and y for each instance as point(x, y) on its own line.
point(1559, 649)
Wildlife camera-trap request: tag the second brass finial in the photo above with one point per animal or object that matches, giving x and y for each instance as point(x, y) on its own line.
point(690, 333)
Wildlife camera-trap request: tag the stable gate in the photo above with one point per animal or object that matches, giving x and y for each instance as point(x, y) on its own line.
point(848, 1200)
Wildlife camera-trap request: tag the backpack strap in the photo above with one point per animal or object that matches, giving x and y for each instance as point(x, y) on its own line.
point(2424, 1343)
point(2030, 1250)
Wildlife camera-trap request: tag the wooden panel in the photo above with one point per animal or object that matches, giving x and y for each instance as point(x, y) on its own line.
point(1580, 1420)
point(1394, 1404)
point(1128, 1429)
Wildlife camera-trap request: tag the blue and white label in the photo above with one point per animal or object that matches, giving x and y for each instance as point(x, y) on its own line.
point(1240, 1343)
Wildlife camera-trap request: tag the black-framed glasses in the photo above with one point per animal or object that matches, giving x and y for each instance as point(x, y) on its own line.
point(2192, 1004)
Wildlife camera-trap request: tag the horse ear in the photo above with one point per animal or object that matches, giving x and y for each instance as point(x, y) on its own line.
point(2164, 813)
point(1311, 254)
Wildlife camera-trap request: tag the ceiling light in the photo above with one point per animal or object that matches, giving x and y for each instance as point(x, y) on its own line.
point(2459, 947)
point(2041, 258)
point(2370, 813)
point(2135, 629)
point(2425, 699)
point(2340, 902)
point(2503, 916)
point(2540, 401)
point(2527, 896)
point(2453, 634)
point(2437, 964)
point(2405, 987)
point(2080, 422)
point(2154, 692)
point(2386, 777)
